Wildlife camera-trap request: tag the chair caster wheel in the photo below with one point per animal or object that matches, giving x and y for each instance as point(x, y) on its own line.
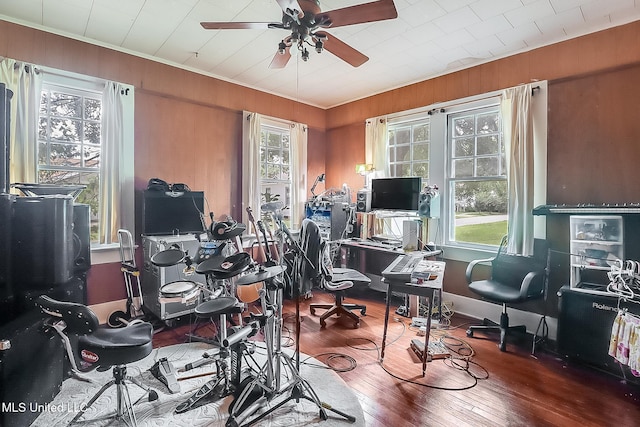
point(153, 395)
point(323, 324)
point(469, 333)
point(363, 312)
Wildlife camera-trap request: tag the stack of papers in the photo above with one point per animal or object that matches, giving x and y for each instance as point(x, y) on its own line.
point(427, 271)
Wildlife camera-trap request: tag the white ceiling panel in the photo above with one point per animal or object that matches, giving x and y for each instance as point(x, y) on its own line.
point(428, 38)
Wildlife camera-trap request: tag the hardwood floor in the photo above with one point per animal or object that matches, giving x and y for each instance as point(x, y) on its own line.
point(486, 388)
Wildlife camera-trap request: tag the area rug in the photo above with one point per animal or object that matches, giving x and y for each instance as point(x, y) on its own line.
point(328, 386)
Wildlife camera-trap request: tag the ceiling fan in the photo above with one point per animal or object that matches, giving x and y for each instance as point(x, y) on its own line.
point(304, 19)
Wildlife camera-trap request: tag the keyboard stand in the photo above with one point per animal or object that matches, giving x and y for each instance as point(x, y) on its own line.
point(410, 289)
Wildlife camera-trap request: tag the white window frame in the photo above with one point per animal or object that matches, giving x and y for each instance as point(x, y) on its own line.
point(281, 128)
point(102, 253)
point(437, 114)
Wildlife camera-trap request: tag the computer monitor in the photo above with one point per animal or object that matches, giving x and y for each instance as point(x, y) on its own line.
point(396, 194)
point(167, 213)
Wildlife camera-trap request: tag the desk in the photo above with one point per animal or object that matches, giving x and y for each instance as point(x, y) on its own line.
point(371, 258)
point(422, 290)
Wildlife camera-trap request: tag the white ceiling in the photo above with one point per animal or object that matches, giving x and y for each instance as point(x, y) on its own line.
point(429, 38)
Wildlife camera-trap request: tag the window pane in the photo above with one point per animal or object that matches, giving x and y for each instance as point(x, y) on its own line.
point(92, 109)
point(403, 136)
point(273, 140)
point(263, 154)
point(403, 169)
point(463, 126)
point(43, 156)
point(462, 168)
point(421, 133)
point(420, 152)
point(392, 155)
point(92, 133)
point(286, 172)
point(392, 137)
point(481, 211)
point(65, 130)
point(273, 156)
point(65, 155)
point(403, 153)
point(285, 157)
point(488, 145)
point(42, 128)
point(463, 147)
point(421, 170)
point(488, 123)
point(66, 105)
point(487, 166)
point(91, 157)
point(273, 171)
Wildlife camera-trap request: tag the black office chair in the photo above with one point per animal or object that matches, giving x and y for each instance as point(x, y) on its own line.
point(514, 279)
point(100, 348)
point(322, 274)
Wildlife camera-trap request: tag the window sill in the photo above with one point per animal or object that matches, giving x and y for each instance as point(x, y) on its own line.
point(457, 253)
point(105, 254)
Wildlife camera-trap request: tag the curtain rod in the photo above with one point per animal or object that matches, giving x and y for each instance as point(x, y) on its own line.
point(441, 109)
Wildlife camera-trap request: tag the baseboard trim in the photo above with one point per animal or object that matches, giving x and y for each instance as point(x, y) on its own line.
point(479, 309)
point(104, 310)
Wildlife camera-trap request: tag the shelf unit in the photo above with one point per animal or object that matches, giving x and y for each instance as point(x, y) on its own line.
point(596, 241)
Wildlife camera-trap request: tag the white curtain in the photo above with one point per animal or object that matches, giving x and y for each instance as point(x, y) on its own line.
point(250, 164)
point(375, 143)
point(111, 162)
point(519, 145)
point(25, 81)
point(298, 141)
point(251, 134)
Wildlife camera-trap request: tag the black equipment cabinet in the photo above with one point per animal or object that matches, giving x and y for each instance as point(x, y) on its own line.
point(31, 369)
point(42, 240)
point(584, 328)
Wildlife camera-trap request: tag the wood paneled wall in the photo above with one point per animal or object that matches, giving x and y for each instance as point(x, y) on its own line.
point(188, 126)
point(594, 131)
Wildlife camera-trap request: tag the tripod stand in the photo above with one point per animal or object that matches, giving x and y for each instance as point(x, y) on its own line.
point(267, 387)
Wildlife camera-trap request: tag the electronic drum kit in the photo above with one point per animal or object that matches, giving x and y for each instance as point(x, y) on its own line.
point(256, 392)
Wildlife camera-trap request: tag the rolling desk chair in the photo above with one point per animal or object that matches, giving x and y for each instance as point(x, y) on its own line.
point(514, 279)
point(322, 273)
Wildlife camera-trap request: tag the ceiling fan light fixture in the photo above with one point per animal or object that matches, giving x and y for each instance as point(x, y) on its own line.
point(282, 47)
point(319, 46)
point(305, 55)
point(295, 37)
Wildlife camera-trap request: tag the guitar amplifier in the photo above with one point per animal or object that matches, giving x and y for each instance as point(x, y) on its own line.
point(585, 320)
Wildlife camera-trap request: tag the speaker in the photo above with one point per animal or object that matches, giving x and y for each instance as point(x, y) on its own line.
point(584, 327)
point(429, 205)
point(363, 200)
point(42, 241)
point(81, 237)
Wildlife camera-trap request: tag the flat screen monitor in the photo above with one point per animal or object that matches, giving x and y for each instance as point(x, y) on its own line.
point(172, 213)
point(396, 194)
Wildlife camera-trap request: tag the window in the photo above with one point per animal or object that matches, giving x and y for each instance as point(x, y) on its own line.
point(275, 167)
point(73, 149)
point(69, 149)
point(409, 149)
point(477, 179)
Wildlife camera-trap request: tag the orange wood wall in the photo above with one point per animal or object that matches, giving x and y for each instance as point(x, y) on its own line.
point(188, 126)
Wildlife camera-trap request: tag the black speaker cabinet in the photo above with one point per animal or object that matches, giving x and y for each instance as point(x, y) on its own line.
point(363, 200)
point(6, 214)
point(584, 327)
point(31, 369)
point(81, 237)
point(42, 241)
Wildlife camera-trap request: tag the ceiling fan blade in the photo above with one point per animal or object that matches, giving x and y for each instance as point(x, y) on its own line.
point(361, 13)
point(291, 5)
point(237, 25)
point(280, 60)
point(342, 50)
